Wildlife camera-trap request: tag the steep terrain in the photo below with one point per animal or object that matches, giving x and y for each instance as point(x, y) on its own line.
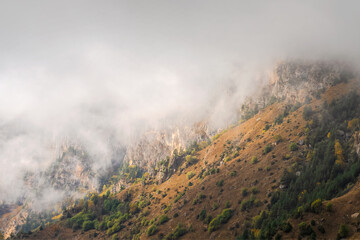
point(267, 177)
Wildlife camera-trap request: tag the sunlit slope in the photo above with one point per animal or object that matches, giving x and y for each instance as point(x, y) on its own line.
point(236, 184)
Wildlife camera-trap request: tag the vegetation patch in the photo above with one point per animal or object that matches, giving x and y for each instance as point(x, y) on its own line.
point(224, 217)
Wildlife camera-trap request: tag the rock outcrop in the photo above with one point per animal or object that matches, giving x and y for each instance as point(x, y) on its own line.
point(155, 146)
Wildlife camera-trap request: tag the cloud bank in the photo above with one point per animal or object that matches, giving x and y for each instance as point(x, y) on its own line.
point(99, 73)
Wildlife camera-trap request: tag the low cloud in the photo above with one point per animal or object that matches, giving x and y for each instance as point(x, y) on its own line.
point(101, 74)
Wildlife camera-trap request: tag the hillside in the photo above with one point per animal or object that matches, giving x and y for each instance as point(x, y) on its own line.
point(258, 179)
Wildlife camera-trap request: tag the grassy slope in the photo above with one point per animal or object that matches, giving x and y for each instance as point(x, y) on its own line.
point(247, 175)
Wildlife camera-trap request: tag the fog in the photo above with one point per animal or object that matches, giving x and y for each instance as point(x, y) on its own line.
point(101, 73)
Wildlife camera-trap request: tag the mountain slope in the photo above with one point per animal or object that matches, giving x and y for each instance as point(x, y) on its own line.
point(243, 184)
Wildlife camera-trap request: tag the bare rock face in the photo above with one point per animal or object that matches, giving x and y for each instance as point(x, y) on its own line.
point(356, 137)
point(10, 221)
point(72, 171)
point(155, 146)
point(297, 81)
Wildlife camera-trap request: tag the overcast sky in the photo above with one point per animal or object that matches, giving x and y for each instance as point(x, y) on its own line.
point(88, 70)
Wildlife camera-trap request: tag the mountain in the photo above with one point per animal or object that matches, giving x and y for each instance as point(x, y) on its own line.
point(289, 169)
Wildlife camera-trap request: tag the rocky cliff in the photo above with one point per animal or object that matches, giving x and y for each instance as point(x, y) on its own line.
point(296, 81)
point(155, 146)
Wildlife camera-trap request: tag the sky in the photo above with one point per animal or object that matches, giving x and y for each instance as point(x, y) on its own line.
point(90, 71)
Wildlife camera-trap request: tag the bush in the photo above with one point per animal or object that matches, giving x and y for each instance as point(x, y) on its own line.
point(215, 206)
point(115, 228)
point(343, 231)
point(202, 215)
point(100, 226)
point(190, 160)
point(279, 119)
point(248, 204)
point(259, 219)
point(254, 190)
point(316, 206)
point(190, 175)
point(321, 229)
point(179, 231)
point(88, 225)
point(244, 192)
point(278, 138)
point(254, 160)
point(115, 237)
point(267, 149)
point(163, 219)
point(308, 112)
point(329, 207)
point(293, 147)
point(233, 173)
point(220, 183)
point(286, 227)
point(151, 230)
point(305, 229)
point(224, 217)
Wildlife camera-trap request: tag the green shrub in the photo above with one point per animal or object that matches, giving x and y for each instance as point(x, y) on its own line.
point(100, 226)
point(293, 147)
point(224, 217)
point(151, 230)
point(286, 227)
point(278, 138)
point(258, 219)
point(329, 206)
point(254, 190)
point(233, 173)
point(177, 198)
point(190, 175)
point(220, 183)
point(179, 231)
point(316, 206)
point(279, 119)
point(300, 211)
point(305, 229)
point(208, 219)
point(201, 196)
point(115, 237)
point(163, 219)
point(88, 225)
point(254, 160)
point(267, 149)
point(175, 215)
point(115, 228)
point(248, 204)
point(244, 192)
point(215, 206)
point(343, 231)
point(202, 215)
point(190, 160)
